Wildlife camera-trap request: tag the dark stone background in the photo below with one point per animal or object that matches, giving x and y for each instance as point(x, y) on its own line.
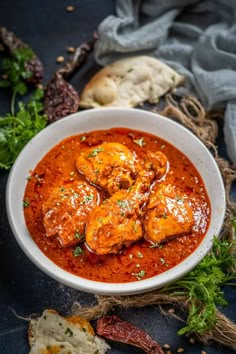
point(24, 289)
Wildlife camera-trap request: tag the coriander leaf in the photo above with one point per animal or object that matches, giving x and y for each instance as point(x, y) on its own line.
point(202, 286)
point(140, 142)
point(16, 130)
point(15, 70)
point(78, 251)
point(95, 151)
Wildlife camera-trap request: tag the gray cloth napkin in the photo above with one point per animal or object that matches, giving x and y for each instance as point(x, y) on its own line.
point(197, 38)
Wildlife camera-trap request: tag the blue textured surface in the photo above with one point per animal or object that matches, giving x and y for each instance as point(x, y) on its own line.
point(24, 289)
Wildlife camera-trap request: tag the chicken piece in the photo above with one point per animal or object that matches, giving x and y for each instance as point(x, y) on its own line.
point(168, 214)
point(111, 166)
point(116, 223)
point(66, 211)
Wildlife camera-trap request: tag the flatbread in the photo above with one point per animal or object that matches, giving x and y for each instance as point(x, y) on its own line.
point(54, 334)
point(130, 82)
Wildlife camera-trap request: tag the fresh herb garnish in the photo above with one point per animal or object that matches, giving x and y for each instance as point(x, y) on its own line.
point(162, 260)
point(16, 130)
point(87, 199)
point(95, 152)
point(140, 274)
point(100, 220)
point(78, 235)
point(26, 203)
point(140, 142)
point(202, 286)
point(123, 203)
point(78, 251)
point(69, 332)
point(15, 71)
point(154, 245)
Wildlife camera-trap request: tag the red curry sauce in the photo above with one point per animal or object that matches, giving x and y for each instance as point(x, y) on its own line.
point(141, 260)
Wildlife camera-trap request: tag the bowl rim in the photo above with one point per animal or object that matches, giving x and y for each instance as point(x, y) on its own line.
point(47, 266)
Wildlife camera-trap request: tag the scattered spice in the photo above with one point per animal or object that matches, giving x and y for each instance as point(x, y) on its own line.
point(171, 311)
point(70, 8)
point(60, 59)
point(166, 346)
point(70, 50)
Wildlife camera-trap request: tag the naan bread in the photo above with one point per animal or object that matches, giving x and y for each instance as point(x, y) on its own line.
point(54, 334)
point(130, 82)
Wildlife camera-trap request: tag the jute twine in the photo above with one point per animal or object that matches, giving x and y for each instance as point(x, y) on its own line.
point(189, 112)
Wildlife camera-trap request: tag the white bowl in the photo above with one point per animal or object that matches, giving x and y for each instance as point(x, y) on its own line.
point(90, 120)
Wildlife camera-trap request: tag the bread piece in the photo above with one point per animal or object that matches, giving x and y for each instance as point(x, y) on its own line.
point(54, 334)
point(130, 82)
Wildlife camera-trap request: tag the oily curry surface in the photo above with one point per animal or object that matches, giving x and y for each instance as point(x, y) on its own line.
point(116, 205)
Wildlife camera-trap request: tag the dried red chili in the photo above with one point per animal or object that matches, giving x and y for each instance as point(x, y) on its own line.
point(112, 327)
point(60, 97)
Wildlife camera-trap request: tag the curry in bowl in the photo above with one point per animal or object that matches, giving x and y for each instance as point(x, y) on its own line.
point(116, 205)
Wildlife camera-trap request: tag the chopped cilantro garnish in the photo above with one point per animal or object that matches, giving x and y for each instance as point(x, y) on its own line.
point(140, 142)
point(26, 203)
point(78, 251)
point(123, 203)
point(140, 274)
point(87, 199)
point(69, 332)
point(78, 235)
point(95, 151)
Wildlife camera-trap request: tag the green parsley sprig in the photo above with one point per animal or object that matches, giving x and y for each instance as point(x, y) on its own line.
point(16, 73)
point(17, 129)
point(202, 287)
